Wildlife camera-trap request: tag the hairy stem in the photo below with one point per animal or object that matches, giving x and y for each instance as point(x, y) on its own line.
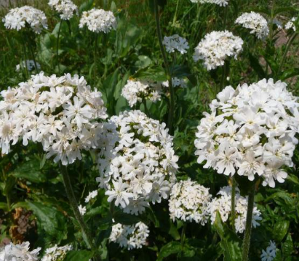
point(247, 235)
point(167, 69)
point(72, 199)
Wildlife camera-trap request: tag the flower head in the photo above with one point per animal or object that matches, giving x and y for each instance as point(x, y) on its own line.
point(56, 253)
point(20, 17)
point(175, 43)
point(129, 237)
point(19, 252)
point(216, 47)
point(61, 113)
point(270, 252)
point(136, 91)
point(66, 8)
point(98, 20)
point(251, 131)
point(255, 22)
point(189, 201)
point(137, 164)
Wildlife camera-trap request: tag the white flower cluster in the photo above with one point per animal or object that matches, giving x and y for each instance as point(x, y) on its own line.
point(217, 2)
point(251, 130)
point(189, 201)
point(176, 82)
point(19, 17)
point(175, 42)
point(98, 20)
point(29, 65)
point(66, 8)
point(137, 163)
point(216, 47)
point(62, 113)
point(255, 22)
point(222, 205)
point(19, 252)
point(82, 210)
point(129, 237)
point(270, 252)
point(136, 91)
point(290, 25)
point(56, 253)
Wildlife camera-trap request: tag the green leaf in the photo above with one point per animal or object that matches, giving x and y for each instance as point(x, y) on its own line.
point(29, 170)
point(289, 73)
point(169, 249)
point(154, 74)
point(230, 243)
point(287, 247)
point(280, 230)
point(3, 206)
point(49, 220)
point(82, 255)
point(85, 6)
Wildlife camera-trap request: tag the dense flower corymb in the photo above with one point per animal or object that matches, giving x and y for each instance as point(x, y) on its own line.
point(216, 47)
point(66, 8)
point(250, 131)
point(98, 20)
point(222, 204)
point(56, 253)
point(129, 237)
point(19, 252)
point(136, 91)
point(255, 22)
point(137, 163)
point(189, 201)
point(217, 2)
point(19, 17)
point(175, 42)
point(62, 113)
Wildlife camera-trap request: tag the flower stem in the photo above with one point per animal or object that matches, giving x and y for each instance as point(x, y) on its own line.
point(247, 235)
point(167, 69)
point(233, 203)
point(57, 46)
point(72, 199)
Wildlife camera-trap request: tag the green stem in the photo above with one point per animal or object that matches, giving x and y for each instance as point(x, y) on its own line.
point(167, 69)
point(95, 56)
point(247, 235)
point(286, 51)
point(57, 46)
point(233, 203)
point(72, 199)
point(176, 11)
